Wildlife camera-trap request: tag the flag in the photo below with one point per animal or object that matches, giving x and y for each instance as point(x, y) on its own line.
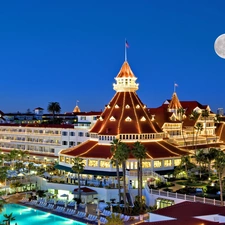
point(176, 85)
point(127, 45)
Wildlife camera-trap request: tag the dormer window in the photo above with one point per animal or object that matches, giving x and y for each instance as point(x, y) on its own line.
point(108, 106)
point(143, 118)
point(144, 106)
point(128, 119)
point(137, 106)
point(127, 106)
point(116, 106)
point(112, 118)
point(100, 118)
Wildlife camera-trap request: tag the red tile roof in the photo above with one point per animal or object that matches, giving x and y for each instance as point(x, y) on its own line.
point(185, 212)
point(125, 105)
point(92, 149)
point(125, 71)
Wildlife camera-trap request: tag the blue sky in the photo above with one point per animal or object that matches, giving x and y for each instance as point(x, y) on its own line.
point(71, 50)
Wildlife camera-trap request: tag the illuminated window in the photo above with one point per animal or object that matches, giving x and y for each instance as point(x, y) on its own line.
point(116, 106)
point(143, 118)
point(137, 106)
point(93, 163)
point(128, 119)
point(104, 164)
point(167, 162)
point(158, 164)
point(112, 118)
point(146, 164)
point(127, 106)
point(100, 118)
point(62, 159)
point(67, 160)
point(108, 106)
point(177, 162)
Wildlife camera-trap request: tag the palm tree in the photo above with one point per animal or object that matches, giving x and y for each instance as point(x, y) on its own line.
point(54, 107)
point(3, 173)
point(78, 167)
point(9, 218)
point(139, 152)
point(194, 116)
point(205, 115)
point(210, 156)
point(199, 128)
point(22, 154)
point(185, 161)
point(181, 112)
point(1, 205)
point(200, 159)
point(121, 155)
point(219, 165)
point(114, 146)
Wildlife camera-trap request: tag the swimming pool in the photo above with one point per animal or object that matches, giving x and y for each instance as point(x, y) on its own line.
point(29, 216)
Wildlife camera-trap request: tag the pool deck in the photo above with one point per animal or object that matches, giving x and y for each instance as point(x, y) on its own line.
point(90, 207)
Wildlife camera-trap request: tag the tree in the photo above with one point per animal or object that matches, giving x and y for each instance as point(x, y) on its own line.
point(3, 173)
point(210, 156)
point(200, 157)
point(121, 155)
point(114, 146)
point(54, 107)
point(9, 218)
point(22, 154)
point(199, 128)
point(194, 116)
point(78, 167)
point(219, 165)
point(185, 161)
point(114, 219)
point(1, 205)
point(181, 112)
point(139, 152)
point(205, 115)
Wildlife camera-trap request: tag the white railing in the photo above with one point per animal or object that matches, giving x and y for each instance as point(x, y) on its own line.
point(185, 197)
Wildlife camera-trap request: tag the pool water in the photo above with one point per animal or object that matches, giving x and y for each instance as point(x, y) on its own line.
point(29, 216)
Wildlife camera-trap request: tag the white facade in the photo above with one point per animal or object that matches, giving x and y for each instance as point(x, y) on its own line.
point(45, 141)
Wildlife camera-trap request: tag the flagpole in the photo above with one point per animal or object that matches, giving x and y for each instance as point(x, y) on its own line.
point(125, 50)
point(174, 87)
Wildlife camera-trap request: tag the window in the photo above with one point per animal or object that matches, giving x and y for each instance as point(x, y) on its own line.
point(146, 164)
point(104, 164)
point(80, 134)
point(167, 162)
point(72, 143)
point(64, 133)
point(64, 143)
point(87, 135)
point(72, 133)
point(157, 164)
point(93, 163)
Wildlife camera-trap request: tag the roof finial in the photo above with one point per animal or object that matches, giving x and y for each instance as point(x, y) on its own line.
point(77, 102)
point(126, 47)
point(174, 88)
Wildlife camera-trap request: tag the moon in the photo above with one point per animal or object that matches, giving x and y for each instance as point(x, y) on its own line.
point(219, 46)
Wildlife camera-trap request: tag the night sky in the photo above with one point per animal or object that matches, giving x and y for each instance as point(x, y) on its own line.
point(72, 50)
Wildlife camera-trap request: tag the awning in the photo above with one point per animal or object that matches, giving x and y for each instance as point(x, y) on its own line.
point(89, 172)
